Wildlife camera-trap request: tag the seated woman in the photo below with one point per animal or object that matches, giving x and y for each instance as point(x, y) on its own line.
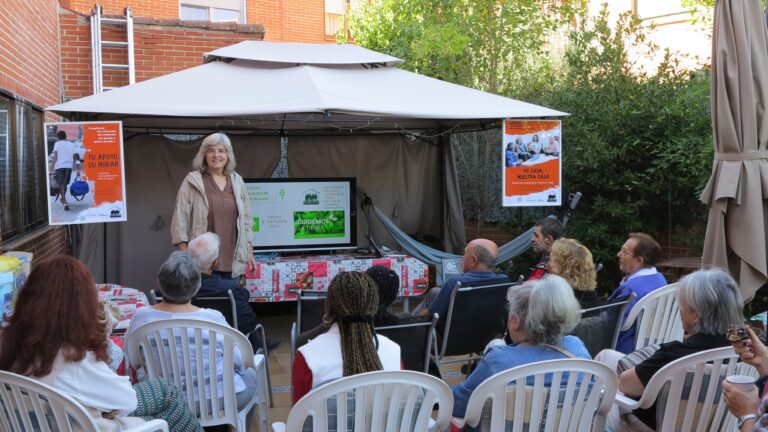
point(541, 312)
point(572, 261)
point(350, 346)
point(709, 302)
point(57, 336)
point(179, 280)
point(388, 284)
point(510, 156)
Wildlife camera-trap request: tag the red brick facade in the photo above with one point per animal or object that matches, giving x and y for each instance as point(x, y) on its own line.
point(283, 21)
point(29, 57)
point(161, 46)
point(29, 73)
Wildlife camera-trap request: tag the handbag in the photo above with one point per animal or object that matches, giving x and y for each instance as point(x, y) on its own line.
point(79, 188)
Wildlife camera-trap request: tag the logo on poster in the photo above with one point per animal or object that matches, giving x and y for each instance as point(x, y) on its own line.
point(311, 197)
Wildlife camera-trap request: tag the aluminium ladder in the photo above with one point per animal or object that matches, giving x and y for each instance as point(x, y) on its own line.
point(97, 44)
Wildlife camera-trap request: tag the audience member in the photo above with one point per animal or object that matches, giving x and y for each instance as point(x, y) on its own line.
point(637, 260)
point(709, 302)
point(572, 261)
point(747, 406)
point(541, 312)
point(388, 283)
point(479, 260)
point(179, 281)
point(204, 250)
point(57, 335)
point(545, 233)
point(350, 346)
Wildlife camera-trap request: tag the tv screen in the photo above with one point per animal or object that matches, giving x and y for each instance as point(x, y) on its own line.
point(302, 214)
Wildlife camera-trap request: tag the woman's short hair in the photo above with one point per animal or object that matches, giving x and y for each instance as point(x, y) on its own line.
point(57, 310)
point(214, 139)
point(178, 278)
point(546, 307)
point(573, 262)
point(352, 301)
point(389, 285)
point(715, 296)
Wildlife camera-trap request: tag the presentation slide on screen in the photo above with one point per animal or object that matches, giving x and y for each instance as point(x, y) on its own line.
point(312, 213)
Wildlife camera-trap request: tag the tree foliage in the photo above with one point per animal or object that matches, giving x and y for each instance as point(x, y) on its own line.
point(477, 43)
point(637, 145)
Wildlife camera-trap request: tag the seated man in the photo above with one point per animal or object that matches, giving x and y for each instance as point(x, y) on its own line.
point(637, 259)
point(479, 260)
point(545, 233)
point(204, 250)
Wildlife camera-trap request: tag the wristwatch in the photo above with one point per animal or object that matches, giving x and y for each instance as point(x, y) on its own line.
point(743, 419)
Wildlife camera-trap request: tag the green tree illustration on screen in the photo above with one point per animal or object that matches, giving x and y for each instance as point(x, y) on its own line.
point(318, 224)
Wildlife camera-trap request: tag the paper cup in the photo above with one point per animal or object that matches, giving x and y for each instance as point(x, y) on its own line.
point(743, 382)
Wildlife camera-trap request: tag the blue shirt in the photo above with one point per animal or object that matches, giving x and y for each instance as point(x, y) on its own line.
point(501, 358)
point(640, 285)
point(443, 300)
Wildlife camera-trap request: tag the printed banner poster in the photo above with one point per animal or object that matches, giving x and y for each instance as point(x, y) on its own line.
point(85, 172)
point(531, 166)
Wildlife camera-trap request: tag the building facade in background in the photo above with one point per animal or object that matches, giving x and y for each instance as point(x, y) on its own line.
point(46, 58)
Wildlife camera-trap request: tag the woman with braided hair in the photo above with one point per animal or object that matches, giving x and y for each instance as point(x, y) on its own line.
point(350, 346)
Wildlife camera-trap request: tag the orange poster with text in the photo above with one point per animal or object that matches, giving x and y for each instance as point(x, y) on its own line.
point(103, 162)
point(531, 154)
point(85, 171)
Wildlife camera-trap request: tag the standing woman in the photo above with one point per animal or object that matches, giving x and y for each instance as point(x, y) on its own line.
point(212, 198)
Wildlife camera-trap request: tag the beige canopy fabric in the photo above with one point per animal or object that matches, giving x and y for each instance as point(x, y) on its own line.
point(737, 192)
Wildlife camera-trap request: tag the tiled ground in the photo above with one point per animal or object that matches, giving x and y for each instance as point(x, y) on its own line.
point(279, 323)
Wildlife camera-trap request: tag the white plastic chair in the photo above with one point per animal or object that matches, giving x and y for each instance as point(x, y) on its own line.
point(379, 401)
point(657, 318)
point(582, 403)
point(699, 375)
point(175, 364)
point(27, 405)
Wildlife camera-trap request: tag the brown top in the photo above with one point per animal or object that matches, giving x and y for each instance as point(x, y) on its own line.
point(222, 220)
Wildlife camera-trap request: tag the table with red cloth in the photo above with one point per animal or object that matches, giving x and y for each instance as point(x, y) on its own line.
point(125, 300)
point(279, 279)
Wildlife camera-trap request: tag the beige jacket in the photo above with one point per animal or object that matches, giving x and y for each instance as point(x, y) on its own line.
point(190, 217)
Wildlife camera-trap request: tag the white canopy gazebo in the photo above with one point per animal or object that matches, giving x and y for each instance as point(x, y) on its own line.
point(346, 112)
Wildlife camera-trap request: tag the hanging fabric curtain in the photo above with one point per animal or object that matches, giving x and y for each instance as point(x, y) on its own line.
point(435, 257)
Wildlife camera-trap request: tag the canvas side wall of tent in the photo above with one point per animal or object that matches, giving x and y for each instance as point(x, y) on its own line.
point(355, 117)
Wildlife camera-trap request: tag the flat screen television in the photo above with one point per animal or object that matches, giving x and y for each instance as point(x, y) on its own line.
point(298, 214)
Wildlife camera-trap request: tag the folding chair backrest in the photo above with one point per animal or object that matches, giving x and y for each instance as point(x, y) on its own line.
point(414, 335)
point(697, 377)
point(184, 352)
point(656, 318)
point(224, 304)
point(375, 401)
point(599, 325)
point(562, 395)
point(310, 308)
point(27, 405)
point(476, 315)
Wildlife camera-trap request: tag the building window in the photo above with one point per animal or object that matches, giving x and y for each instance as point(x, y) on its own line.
point(22, 173)
point(211, 10)
point(335, 11)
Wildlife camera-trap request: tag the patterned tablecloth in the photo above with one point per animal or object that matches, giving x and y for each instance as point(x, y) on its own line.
point(277, 280)
point(125, 299)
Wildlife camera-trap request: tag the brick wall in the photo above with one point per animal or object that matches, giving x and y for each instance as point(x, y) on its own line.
point(290, 21)
point(283, 20)
point(29, 70)
point(43, 243)
point(29, 65)
point(160, 47)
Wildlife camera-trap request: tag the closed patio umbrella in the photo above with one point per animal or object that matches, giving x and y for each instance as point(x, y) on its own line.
point(737, 192)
